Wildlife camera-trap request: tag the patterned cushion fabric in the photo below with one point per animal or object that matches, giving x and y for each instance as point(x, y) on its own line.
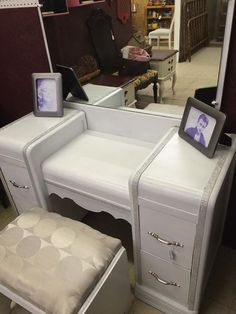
point(145, 79)
point(52, 261)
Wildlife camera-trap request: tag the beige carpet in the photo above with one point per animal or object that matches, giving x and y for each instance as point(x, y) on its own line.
point(220, 295)
point(202, 71)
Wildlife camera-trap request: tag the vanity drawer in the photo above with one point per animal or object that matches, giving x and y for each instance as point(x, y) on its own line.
point(164, 67)
point(165, 278)
point(18, 180)
point(167, 236)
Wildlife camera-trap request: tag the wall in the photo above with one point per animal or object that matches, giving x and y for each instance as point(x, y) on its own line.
point(23, 51)
point(139, 18)
point(68, 36)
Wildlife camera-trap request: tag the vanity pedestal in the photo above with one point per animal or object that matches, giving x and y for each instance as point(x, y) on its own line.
point(16, 140)
point(182, 202)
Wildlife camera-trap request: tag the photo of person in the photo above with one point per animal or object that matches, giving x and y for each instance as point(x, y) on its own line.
point(200, 126)
point(46, 94)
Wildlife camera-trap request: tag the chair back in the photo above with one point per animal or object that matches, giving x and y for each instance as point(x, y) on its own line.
point(172, 23)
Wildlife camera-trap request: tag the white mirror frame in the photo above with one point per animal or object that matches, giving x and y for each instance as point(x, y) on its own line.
point(225, 50)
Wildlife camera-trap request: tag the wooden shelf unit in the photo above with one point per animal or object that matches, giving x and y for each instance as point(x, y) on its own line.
point(159, 16)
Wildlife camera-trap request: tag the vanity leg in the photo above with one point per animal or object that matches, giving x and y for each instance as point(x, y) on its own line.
point(173, 82)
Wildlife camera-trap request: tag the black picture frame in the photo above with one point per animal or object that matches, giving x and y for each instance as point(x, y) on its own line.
point(201, 126)
point(71, 83)
point(47, 90)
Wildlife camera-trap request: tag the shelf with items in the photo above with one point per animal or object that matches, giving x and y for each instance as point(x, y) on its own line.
point(49, 8)
point(159, 16)
point(61, 7)
point(76, 3)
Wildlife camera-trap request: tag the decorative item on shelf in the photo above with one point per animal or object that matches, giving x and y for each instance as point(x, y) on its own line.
point(133, 7)
point(53, 8)
point(73, 3)
point(47, 88)
point(201, 126)
point(123, 10)
point(154, 24)
point(77, 3)
point(163, 2)
point(154, 14)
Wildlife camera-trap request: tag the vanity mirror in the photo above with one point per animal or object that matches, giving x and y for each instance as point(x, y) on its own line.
point(207, 66)
point(69, 38)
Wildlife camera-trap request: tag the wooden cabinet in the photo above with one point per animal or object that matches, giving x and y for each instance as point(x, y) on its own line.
point(159, 16)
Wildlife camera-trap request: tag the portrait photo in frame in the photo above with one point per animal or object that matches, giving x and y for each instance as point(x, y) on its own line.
point(201, 126)
point(47, 88)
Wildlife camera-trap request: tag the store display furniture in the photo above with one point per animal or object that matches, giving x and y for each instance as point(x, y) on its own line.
point(134, 166)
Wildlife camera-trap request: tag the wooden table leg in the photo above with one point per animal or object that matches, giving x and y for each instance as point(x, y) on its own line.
point(155, 90)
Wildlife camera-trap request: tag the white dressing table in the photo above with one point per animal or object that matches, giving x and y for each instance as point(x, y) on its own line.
point(134, 166)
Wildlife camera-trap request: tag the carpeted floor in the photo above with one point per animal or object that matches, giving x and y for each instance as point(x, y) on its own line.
point(202, 71)
point(220, 294)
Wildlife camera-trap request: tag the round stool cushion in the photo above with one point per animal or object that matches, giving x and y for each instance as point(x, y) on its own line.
point(52, 261)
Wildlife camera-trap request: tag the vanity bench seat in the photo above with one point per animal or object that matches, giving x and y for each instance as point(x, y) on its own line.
point(96, 166)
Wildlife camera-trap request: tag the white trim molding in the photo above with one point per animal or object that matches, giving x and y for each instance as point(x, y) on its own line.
point(10, 4)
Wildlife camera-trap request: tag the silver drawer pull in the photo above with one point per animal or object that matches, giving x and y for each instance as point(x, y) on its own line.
point(156, 236)
point(19, 186)
point(166, 283)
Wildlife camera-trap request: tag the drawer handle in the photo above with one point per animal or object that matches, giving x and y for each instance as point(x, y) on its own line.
point(166, 283)
point(156, 236)
point(19, 186)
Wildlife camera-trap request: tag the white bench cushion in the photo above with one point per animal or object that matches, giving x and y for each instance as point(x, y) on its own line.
point(98, 165)
point(159, 31)
point(52, 261)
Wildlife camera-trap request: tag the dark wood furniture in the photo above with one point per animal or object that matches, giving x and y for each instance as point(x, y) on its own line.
point(138, 81)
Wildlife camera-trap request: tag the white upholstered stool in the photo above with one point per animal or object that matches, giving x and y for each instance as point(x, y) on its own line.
point(55, 265)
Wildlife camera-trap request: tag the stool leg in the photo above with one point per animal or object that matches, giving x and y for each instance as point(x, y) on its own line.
point(155, 91)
